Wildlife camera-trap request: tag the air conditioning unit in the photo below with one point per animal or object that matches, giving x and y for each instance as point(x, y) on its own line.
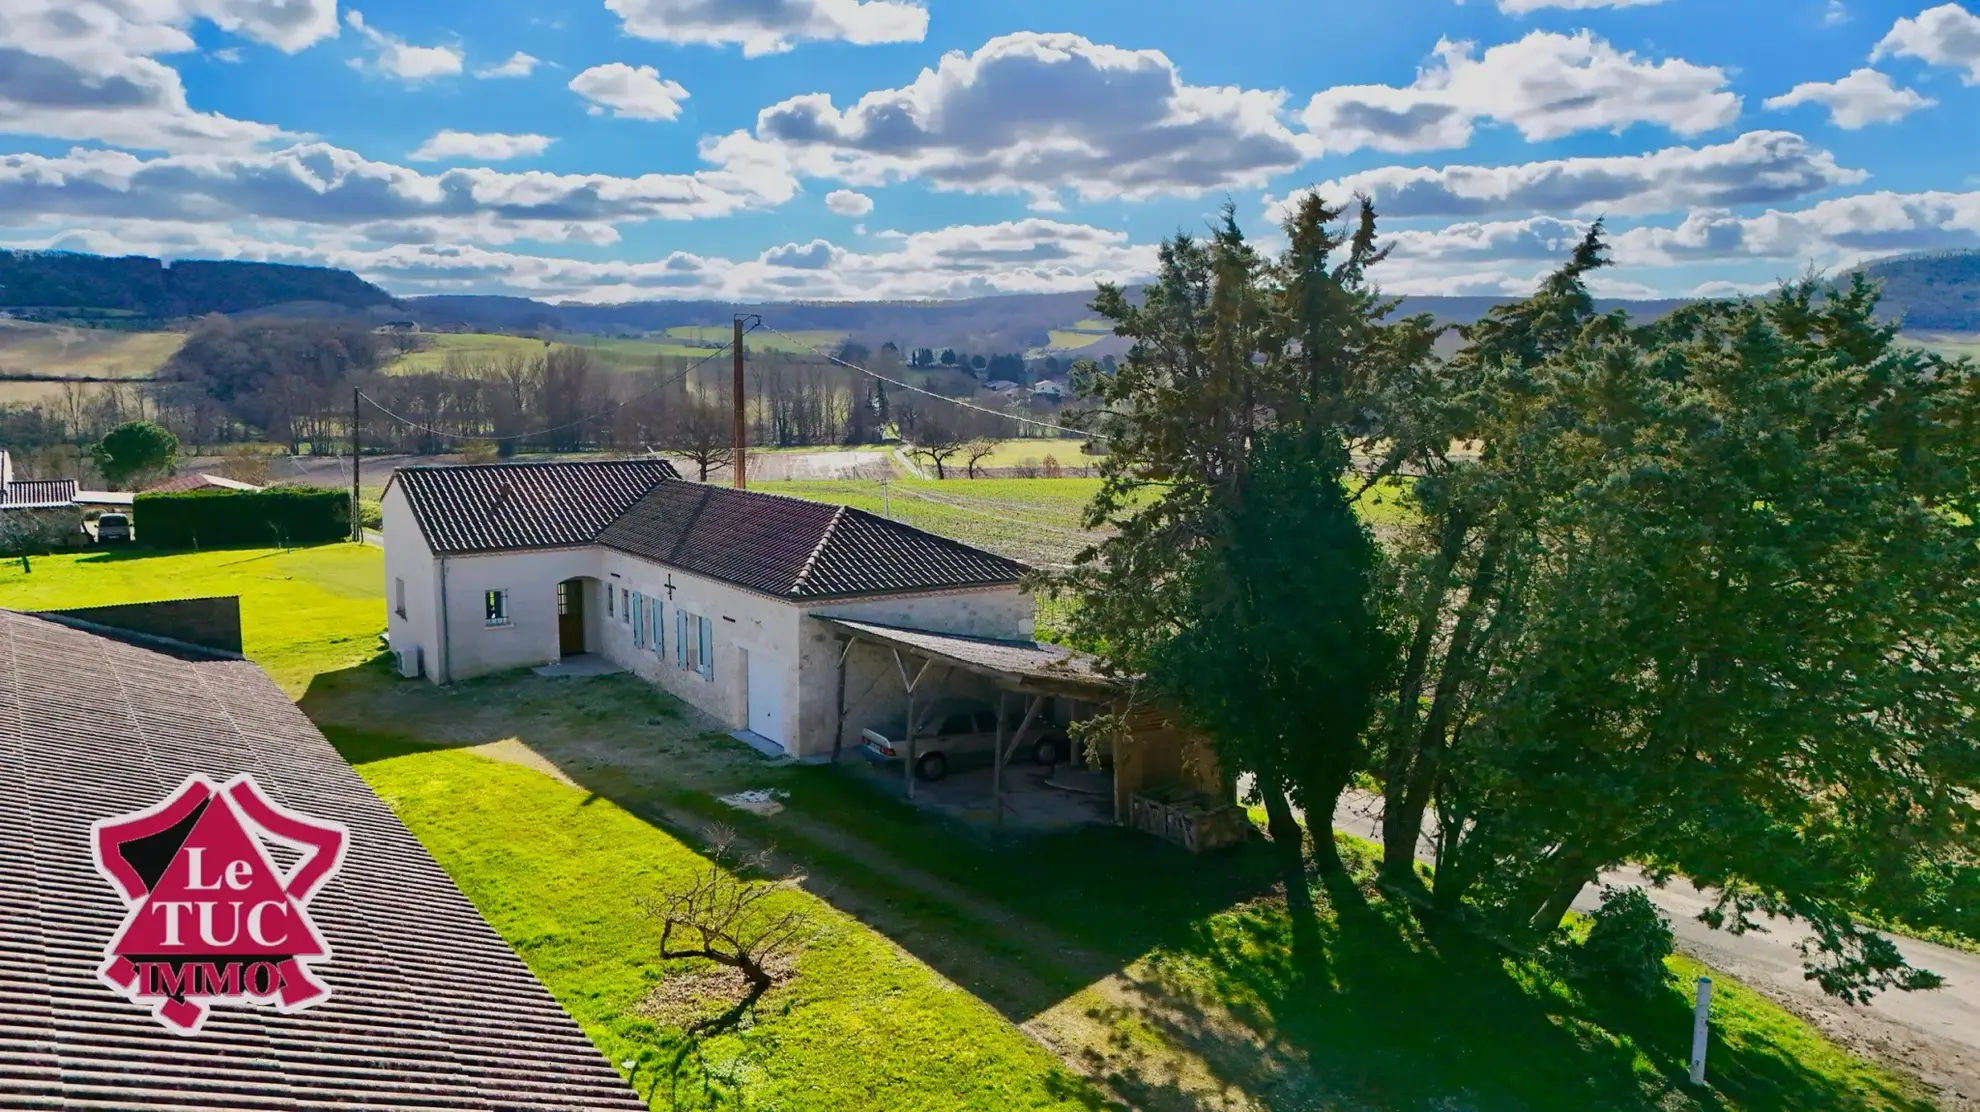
point(409, 662)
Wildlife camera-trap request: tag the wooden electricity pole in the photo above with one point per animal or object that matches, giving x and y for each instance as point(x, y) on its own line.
point(741, 467)
point(357, 521)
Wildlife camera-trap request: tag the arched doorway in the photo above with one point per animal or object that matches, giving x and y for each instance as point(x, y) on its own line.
point(570, 617)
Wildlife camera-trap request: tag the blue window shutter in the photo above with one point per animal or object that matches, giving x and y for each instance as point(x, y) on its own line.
point(639, 620)
point(659, 631)
point(680, 638)
point(707, 649)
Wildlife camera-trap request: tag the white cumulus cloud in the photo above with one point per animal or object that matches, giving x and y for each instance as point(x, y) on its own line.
point(394, 57)
point(448, 145)
point(1759, 167)
point(1947, 35)
point(772, 26)
point(845, 202)
point(517, 65)
point(1546, 85)
point(89, 69)
point(1035, 113)
point(1860, 98)
point(637, 94)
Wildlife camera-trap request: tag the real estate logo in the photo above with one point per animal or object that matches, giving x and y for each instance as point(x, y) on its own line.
point(213, 918)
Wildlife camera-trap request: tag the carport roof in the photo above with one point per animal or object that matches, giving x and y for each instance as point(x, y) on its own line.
point(1027, 665)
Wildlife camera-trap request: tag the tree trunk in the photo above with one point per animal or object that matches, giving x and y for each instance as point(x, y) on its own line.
point(1287, 843)
point(1401, 758)
point(1572, 877)
point(1402, 818)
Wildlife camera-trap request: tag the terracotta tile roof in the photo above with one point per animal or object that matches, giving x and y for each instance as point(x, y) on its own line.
point(796, 549)
point(505, 506)
point(430, 1009)
point(39, 492)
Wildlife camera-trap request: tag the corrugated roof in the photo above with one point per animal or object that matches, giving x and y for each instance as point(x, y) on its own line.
point(1042, 664)
point(34, 493)
point(503, 506)
point(430, 1009)
point(796, 549)
point(180, 484)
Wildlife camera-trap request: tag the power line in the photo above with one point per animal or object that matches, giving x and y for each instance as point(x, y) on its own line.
point(1081, 433)
point(606, 412)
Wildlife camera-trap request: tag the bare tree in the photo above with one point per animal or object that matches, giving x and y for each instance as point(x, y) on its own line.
point(703, 433)
point(724, 916)
point(978, 450)
point(937, 439)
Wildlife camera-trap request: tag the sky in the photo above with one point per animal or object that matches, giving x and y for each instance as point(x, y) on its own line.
point(615, 150)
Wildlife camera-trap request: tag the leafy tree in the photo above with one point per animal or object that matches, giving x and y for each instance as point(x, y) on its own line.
point(1704, 602)
point(978, 363)
point(1237, 578)
point(136, 450)
point(948, 357)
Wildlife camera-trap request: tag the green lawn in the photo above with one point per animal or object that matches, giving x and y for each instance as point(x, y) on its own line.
point(304, 611)
point(1953, 345)
point(559, 873)
point(714, 335)
point(615, 354)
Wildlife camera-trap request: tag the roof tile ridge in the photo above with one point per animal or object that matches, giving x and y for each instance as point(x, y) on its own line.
point(899, 528)
point(824, 538)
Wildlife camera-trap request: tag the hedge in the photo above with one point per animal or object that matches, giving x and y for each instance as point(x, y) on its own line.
point(218, 518)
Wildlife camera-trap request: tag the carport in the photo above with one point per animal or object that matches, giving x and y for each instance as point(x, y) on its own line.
point(1150, 753)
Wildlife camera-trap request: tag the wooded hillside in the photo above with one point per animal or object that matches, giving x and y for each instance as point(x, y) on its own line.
point(148, 288)
point(1934, 292)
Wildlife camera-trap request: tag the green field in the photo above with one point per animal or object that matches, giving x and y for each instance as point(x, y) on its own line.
point(1953, 345)
point(617, 354)
point(304, 611)
point(58, 349)
point(715, 335)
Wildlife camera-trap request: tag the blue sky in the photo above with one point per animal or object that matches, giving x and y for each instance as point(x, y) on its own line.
point(610, 150)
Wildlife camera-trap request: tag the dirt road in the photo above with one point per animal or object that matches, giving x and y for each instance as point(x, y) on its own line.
point(1932, 1035)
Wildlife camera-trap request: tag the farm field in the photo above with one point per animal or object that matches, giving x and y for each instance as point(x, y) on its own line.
point(1951, 344)
point(57, 349)
point(616, 354)
point(715, 335)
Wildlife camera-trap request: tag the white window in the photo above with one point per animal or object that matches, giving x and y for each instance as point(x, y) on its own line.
point(639, 620)
point(399, 597)
point(658, 643)
point(694, 644)
point(495, 608)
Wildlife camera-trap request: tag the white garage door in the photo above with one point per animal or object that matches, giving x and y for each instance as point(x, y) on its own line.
point(766, 698)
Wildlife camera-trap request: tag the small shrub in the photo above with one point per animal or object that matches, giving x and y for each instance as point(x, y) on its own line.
point(1052, 468)
point(1627, 944)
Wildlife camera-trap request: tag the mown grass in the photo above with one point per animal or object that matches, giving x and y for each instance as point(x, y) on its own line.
point(1390, 1012)
point(1953, 345)
point(60, 349)
point(715, 335)
point(614, 354)
point(560, 872)
point(304, 611)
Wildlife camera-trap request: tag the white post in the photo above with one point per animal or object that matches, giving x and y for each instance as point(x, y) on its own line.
point(1701, 1030)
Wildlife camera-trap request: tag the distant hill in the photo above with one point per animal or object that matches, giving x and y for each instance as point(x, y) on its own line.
point(141, 287)
point(1007, 323)
point(1937, 291)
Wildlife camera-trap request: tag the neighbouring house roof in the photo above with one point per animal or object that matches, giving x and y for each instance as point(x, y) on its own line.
point(180, 484)
point(499, 507)
point(105, 498)
point(796, 549)
point(32, 494)
point(1028, 665)
point(429, 1007)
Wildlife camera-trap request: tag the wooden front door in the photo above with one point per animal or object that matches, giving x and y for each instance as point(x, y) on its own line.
point(570, 617)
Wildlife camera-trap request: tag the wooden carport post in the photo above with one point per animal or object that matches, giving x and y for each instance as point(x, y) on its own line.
point(1004, 754)
point(910, 684)
point(839, 728)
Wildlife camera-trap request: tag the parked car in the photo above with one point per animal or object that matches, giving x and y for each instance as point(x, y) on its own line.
point(952, 733)
point(113, 529)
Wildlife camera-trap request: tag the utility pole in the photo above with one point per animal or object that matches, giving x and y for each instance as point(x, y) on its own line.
point(357, 522)
point(741, 467)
